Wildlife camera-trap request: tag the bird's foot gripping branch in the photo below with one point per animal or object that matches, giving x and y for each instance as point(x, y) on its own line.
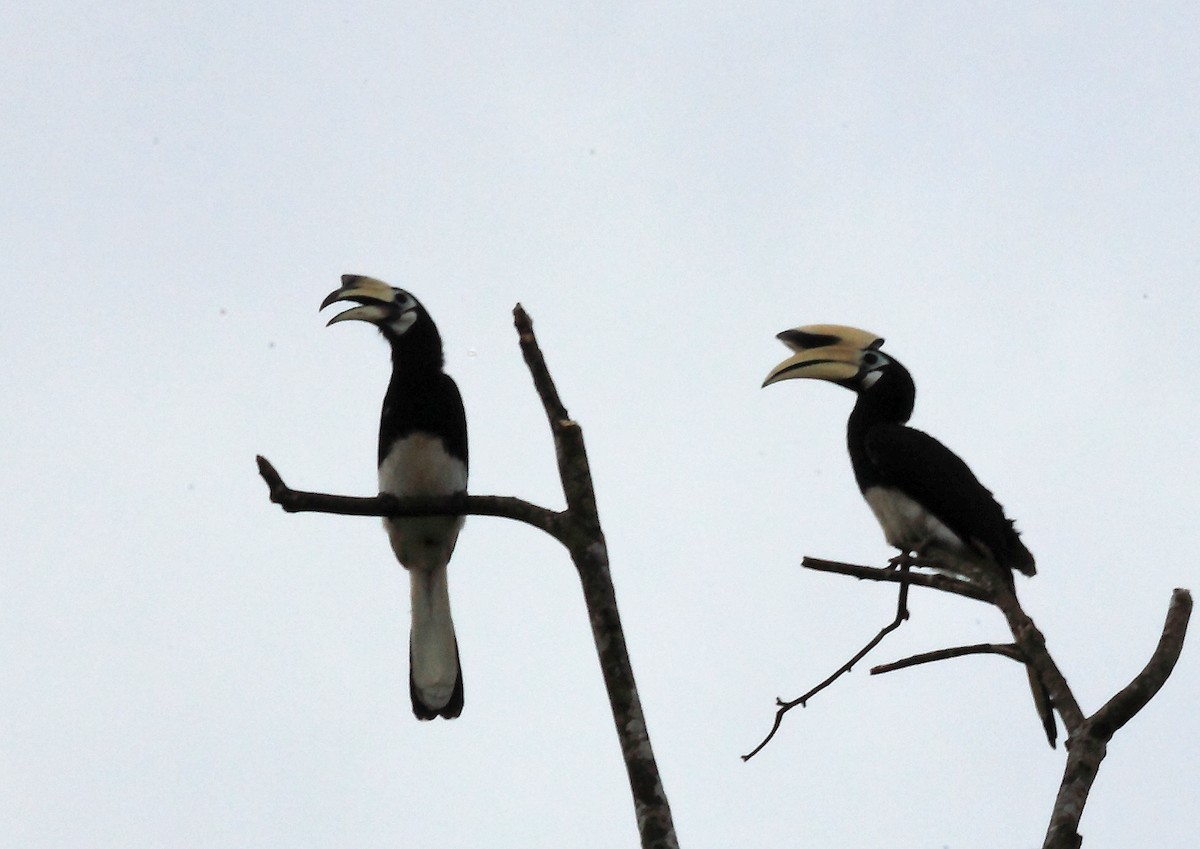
point(1087, 736)
point(577, 528)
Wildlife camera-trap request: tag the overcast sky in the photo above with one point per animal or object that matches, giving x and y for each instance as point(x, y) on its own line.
point(1007, 191)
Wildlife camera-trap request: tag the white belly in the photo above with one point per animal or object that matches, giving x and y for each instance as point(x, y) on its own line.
point(419, 465)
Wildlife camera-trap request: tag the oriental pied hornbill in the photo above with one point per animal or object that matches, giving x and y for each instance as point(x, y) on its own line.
point(928, 502)
point(422, 451)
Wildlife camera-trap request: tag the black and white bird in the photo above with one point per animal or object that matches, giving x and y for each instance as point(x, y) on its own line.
point(928, 502)
point(422, 451)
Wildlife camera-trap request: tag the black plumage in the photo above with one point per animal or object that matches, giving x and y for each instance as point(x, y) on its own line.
point(927, 500)
point(422, 451)
point(888, 456)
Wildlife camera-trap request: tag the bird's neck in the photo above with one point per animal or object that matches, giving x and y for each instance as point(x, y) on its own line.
point(417, 355)
point(888, 401)
point(415, 376)
point(860, 424)
point(415, 367)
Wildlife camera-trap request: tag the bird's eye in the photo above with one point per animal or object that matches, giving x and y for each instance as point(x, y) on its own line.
point(870, 359)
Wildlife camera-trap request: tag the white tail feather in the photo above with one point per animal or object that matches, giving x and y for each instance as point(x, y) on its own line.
point(434, 652)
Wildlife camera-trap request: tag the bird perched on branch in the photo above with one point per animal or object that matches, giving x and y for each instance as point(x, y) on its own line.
point(928, 502)
point(422, 451)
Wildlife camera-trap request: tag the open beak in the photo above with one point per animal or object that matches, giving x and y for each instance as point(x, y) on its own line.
point(375, 297)
point(823, 352)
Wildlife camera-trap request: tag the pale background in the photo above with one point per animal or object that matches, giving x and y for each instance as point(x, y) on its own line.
point(1007, 191)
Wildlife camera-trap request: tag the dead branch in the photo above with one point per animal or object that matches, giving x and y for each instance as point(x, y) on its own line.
point(1006, 649)
point(802, 701)
point(936, 581)
point(1145, 685)
point(1088, 744)
point(1087, 736)
point(584, 539)
point(506, 507)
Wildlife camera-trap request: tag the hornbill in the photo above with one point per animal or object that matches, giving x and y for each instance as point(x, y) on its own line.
point(422, 451)
point(928, 502)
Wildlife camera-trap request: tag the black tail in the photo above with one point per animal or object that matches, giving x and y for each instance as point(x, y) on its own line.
point(1041, 701)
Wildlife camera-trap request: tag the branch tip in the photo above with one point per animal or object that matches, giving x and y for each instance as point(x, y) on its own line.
point(901, 615)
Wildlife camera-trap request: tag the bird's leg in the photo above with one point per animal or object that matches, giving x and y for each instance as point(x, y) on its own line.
point(903, 559)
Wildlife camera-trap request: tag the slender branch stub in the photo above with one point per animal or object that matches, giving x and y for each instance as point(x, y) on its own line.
point(536, 363)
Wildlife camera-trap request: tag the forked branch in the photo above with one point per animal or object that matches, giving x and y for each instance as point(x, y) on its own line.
point(1088, 736)
point(1088, 744)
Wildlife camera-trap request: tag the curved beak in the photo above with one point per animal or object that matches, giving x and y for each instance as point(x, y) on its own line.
point(375, 296)
point(820, 364)
point(823, 352)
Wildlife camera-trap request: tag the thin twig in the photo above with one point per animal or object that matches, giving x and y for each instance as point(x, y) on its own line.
point(936, 581)
point(1006, 649)
point(536, 363)
point(802, 701)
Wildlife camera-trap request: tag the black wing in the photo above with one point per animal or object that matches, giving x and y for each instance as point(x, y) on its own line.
point(433, 406)
point(935, 477)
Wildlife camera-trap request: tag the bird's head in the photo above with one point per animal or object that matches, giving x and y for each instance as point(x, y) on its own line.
point(398, 315)
point(385, 306)
point(851, 358)
point(848, 357)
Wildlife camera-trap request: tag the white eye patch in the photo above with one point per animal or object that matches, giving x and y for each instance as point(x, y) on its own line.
point(406, 307)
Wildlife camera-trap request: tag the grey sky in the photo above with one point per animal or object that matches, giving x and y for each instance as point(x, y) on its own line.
point(1007, 192)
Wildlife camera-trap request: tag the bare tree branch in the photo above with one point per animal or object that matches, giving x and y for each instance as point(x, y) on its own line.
point(584, 539)
point(1088, 737)
point(936, 581)
point(299, 501)
point(1006, 649)
point(1001, 594)
point(802, 701)
point(1033, 645)
point(1137, 693)
point(1088, 744)
point(578, 529)
point(569, 450)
